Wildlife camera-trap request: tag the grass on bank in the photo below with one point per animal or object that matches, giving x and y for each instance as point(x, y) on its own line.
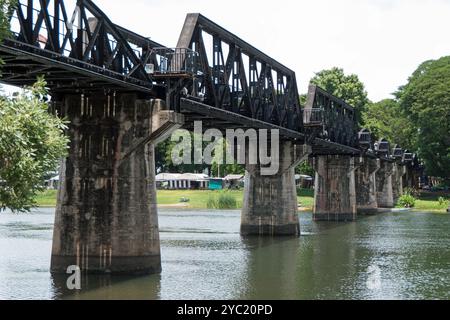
point(429, 201)
point(198, 199)
point(47, 198)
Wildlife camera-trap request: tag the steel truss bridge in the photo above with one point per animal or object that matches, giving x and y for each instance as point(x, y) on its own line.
point(212, 75)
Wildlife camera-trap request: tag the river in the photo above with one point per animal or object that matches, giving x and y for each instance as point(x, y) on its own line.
point(389, 256)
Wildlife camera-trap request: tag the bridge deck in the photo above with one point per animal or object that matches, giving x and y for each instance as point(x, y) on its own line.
point(23, 63)
point(213, 117)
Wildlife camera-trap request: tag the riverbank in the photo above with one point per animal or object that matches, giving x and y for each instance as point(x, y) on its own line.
point(197, 198)
point(429, 201)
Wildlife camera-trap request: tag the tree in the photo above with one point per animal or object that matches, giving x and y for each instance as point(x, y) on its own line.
point(386, 119)
point(163, 157)
point(425, 99)
point(7, 9)
point(32, 142)
point(346, 87)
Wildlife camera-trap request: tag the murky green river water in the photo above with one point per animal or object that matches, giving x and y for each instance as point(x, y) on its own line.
point(389, 256)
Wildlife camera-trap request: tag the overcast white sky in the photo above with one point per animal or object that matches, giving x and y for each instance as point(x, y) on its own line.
point(382, 41)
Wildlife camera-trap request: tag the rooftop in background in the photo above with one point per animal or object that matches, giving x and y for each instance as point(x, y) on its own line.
point(182, 176)
point(234, 177)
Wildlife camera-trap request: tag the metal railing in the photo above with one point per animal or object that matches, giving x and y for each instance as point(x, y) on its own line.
point(175, 61)
point(397, 153)
point(364, 137)
point(382, 147)
point(313, 117)
point(407, 157)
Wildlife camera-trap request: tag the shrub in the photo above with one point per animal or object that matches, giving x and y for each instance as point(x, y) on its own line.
point(407, 201)
point(225, 200)
point(212, 202)
point(442, 201)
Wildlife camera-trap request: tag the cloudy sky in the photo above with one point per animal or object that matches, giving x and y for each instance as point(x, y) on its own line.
point(382, 41)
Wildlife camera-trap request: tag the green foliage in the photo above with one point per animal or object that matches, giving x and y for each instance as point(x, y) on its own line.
point(163, 158)
point(305, 168)
point(32, 142)
point(407, 200)
point(346, 87)
point(301, 192)
point(7, 8)
point(225, 200)
point(412, 191)
point(386, 119)
point(211, 202)
point(303, 98)
point(425, 99)
point(442, 201)
point(226, 169)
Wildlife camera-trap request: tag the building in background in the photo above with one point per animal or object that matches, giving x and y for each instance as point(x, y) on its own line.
point(234, 181)
point(176, 181)
point(52, 183)
point(216, 184)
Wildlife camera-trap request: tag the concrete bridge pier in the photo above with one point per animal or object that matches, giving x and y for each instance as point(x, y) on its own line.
point(385, 195)
point(106, 216)
point(398, 177)
point(335, 193)
point(409, 177)
point(270, 205)
point(366, 189)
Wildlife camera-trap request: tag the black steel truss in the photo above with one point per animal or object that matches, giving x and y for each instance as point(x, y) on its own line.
point(218, 75)
point(74, 47)
point(234, 76)
point(339, 123)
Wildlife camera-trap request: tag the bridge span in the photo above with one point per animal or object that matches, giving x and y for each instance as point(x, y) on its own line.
point(123, 93)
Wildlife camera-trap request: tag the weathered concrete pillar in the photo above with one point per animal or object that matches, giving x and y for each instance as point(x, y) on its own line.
point(408, 177)
point(106, 216)
point(366, 189)
point(398, 176)
point(270, 205)
point(334, 191)
point(384, 185)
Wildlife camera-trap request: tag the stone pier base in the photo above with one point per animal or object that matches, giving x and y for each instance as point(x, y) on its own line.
point(366, 189)
point(334, 194)
point(398, 175)
point(270, 205)
point(106, 217)
point(385, 195)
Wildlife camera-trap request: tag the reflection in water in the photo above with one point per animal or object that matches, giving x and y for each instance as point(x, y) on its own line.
point(109, 287)
point(267, 278)
point(396, 256)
